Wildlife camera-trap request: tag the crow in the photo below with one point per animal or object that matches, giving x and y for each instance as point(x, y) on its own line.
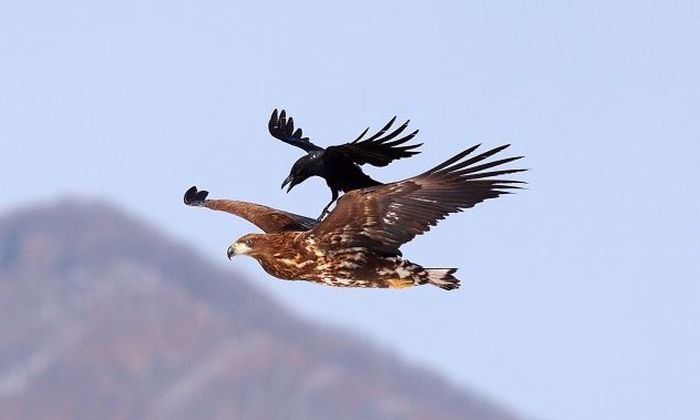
point(340, 165)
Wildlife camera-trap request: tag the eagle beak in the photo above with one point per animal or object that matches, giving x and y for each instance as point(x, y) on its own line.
point(289, 180)
point(231, 252)
point(237, 249)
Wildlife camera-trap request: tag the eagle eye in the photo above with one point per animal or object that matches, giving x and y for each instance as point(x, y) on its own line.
point(248, 243)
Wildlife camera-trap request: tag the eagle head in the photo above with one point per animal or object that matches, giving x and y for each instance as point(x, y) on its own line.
point(246, 245)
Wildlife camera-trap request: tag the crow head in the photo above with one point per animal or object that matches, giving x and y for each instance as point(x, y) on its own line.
point(307, 166)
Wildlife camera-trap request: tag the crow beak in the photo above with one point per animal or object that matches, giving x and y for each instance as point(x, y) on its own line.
point(287, 181)
point(291, 181)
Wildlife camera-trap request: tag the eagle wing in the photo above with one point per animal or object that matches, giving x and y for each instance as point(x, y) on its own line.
point(379, 149)
point(266, 218)
point(282, 128)
point(386, 216)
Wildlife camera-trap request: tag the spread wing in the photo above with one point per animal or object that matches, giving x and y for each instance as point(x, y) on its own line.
point(379, 149)
point(268, 219)
point(283, 129)
point(386, 216)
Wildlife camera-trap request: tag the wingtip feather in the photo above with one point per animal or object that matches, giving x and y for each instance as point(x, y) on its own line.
point(193, 197)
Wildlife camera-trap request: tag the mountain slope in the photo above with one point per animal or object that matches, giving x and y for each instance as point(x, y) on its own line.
point(104, 318)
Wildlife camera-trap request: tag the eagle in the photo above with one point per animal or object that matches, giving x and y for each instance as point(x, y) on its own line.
point(340, 165)
point(357, 244)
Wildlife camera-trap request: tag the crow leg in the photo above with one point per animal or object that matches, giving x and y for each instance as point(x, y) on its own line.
point(325, 209)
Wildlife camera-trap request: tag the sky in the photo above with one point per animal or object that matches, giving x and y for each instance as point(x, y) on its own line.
point(580, 295)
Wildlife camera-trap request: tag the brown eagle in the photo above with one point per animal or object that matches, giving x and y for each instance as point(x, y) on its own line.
point(357, 244)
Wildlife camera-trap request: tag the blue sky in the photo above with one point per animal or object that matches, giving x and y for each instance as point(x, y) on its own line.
point(580, 296)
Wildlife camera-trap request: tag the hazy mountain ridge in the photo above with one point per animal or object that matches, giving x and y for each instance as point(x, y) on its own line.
point(104, 318)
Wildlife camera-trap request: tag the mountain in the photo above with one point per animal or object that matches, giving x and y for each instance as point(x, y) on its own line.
point(102, 317)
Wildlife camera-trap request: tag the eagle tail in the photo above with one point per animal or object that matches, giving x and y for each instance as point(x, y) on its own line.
point(442, 278)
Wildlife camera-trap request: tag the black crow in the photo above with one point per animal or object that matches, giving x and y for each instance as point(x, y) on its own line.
point(340, 165)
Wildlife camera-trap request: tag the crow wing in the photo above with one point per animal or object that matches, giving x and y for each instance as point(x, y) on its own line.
point(282, 128)
point(386, 216)
point(379, 149)
point(266, 218)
